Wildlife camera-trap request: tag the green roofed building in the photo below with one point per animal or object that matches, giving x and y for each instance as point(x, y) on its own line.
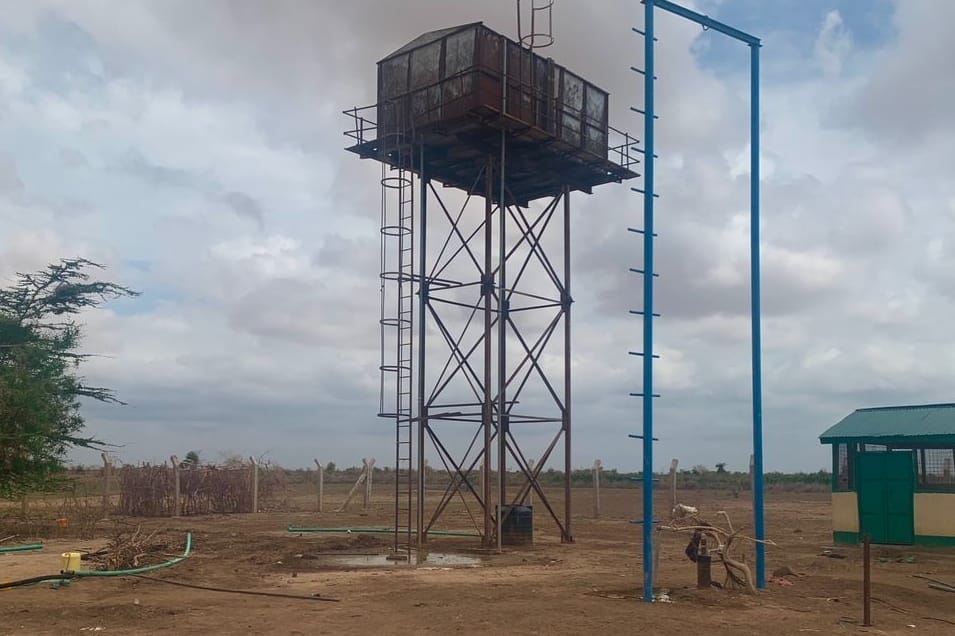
point(892, 475)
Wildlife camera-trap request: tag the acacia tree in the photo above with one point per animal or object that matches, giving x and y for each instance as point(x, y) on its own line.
point(40, 385)
point(191, 460)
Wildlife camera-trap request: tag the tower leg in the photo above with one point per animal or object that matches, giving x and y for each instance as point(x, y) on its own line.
point(503, 419)
point(421, 535)
point(568, 536)
point(487, 407)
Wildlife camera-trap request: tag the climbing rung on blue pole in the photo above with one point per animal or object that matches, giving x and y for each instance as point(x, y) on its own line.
point(640, 271)
point(638, 231)
point(640, 353)
point(637, 312)
point(641, 71)
point(636, 30)
point(637, 110)
point(654, 395)
point(655, 195)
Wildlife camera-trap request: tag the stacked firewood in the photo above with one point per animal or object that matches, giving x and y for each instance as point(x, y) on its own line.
point(129, 549)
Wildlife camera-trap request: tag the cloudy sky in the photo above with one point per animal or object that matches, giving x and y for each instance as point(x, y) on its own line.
point(196, 149)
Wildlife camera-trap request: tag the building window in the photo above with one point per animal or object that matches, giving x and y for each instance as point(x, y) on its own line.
point(935, 469)
point(842, 468)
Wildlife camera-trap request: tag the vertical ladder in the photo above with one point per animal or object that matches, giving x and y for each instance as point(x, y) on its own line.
point(648, 273)
point(397, 320)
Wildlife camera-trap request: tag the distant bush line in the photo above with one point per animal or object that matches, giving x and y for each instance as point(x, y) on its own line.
point(694, 479)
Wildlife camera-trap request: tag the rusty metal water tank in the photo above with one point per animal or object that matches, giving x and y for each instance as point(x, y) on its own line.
point(453, 91)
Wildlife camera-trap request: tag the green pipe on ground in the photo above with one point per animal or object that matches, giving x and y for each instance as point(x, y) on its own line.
point(148, 568)
point(23, 548)
point(64, 578)
point(437, 533)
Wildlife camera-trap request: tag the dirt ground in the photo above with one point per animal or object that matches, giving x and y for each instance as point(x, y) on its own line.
point(591, 586)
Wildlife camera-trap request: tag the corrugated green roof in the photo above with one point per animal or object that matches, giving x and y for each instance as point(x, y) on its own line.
point(927, 420)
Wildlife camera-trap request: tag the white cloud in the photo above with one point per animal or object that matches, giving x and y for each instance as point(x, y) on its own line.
point(9, 179)
point(906, 96)
point(833, 44)
point(13, 79)
point(182, 123)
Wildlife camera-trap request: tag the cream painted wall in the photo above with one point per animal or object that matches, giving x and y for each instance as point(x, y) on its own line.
point(845, 512)
point(935, 514)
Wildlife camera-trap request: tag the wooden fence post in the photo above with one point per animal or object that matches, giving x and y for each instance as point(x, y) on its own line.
point(107, 478)
point(255, 484)
point(530, 493)
point(321, 487)
point(24, 507)
point(481, 484)
point(596, 470)
point(867, 580)
point(752, 474)
point(176, 501)
point(369, 473)
point(351, 493)
point(673, 466)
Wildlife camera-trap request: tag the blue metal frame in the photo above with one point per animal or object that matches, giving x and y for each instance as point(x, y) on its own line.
point(648, 233)
point(758, 502)
point(649, 274)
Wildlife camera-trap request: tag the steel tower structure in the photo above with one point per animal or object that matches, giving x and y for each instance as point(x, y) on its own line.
point(478, 370)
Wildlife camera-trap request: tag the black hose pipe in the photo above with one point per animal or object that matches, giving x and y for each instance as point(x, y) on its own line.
point(36, 579)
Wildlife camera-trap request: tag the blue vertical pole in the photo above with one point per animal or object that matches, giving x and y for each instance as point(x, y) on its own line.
point(758, 513)
point(648, 304)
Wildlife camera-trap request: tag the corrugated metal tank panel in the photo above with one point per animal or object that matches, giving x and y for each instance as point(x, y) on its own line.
point(462, 73)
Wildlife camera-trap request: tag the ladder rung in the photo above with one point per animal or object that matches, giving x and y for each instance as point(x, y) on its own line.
point(638, 190)
point(640, 111)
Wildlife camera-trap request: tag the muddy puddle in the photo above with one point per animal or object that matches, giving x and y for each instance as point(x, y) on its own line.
point(391, 560)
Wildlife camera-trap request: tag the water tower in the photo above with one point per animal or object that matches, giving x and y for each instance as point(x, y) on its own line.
point(482, 143)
